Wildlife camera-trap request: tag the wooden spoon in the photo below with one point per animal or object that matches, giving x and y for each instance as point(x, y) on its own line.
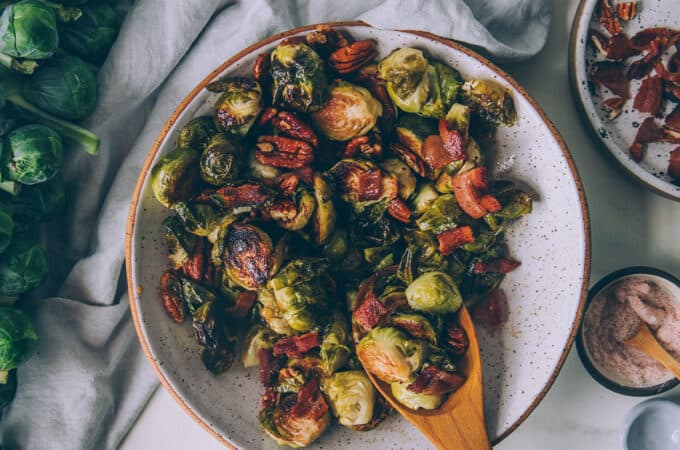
point(459, 422)
point(645, 341)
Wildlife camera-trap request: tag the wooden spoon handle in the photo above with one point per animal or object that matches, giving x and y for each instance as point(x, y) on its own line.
point(645, 341)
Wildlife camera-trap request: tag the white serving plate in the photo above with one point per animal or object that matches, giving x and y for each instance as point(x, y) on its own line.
point(617, 135)
point(546, 294)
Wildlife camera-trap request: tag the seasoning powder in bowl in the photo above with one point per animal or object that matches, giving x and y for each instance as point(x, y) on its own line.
point(615, 314)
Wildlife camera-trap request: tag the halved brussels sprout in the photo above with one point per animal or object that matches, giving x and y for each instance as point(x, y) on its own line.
point(202, 219)
point(296, 215)
point(416, 325)
point(434, 292)
point(475, 157)
point(412, 130)
point(197, 133)
point(350, 111)
point(292, 430)
point(489, 100)
point(195, 295)
point(179, 242)
point(335, 351)
point(405, 178)
point(299, 79)
point(390, 354)
point(247, 256)
point(221, 160)
point(405, 71)
point(458, 118)
point(336, 247)
point(413, 400)
point(444, 84)
point(239, 105)
point(424, 249)
point(443, 214)
point(352, 397)
point(174, 176)
point(516, 203)
point(258, 337)
point(425, 196)
point(261, 171)
point(324, 215)
point(450, 82)
point(270, 313)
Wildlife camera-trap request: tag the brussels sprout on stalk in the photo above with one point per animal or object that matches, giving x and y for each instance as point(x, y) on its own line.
point(92, 36)
point(351, 111)
point(174, 176)
point(352, 397)
point(298, 76)
point(18, 340)
point(221, 160)
point(238, 106)
point(434, 292)
point(32, 154)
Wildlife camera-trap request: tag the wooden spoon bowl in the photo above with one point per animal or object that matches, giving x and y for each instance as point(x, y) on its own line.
point(459, 422)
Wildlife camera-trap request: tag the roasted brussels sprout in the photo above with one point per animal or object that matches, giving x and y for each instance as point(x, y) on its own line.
point(6, 230)
point(336, 247)
point(490, 101)
point(443, 214)
point(458, 118)
point(405, 71)
point(335, 350)
point(179, 242)
point(294, 214)
point(405, 178)
point(211, 331)
point(247, 256)
point(298, 76)
point(33, 154)
point(423, 199)
point(324, 214)
point(352, 397)
point(516, 203)
point(270, 313)
point(239, 105)
point(434, 292)
point(390, 354)
point(221, 160)
point(351, 111)
point(92, 35)
point(18, 340)
point(416, 325)
point(412, 130)
point(424, 252)
point(175, 176)
point(444, 83)
point(203, 219)
point(197, 133)
point(28, 29)
point(261, 171)
point(258, 337)
point(413, 400)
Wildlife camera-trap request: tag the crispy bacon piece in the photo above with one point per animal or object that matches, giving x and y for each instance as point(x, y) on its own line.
point(269, 366)
point(435, 381)
point(398, 209)
point(310, 402)
point(494, 311)
point(613, 105)
point(673, 119)
point(611, 75)
point(674, 163)
point(297, 346)
point(288, 183)
point(650, 96)
point(450, 240)
point(434, 154)
point(467, 188)
point(452, 141)
point(283, 152)
point(457, 340)
point(244, 302)
point(369, 185)
point(246, 194)
point(501, 265)
point(194, 268)
point(370, 312)
point(290, 124)
point(490, 203)
point(615, 48)
point(608, 18)
point(626, 10)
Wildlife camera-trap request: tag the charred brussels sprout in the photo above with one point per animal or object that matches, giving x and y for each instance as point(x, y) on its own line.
point(174, 176)
point(458, 118)
point(179, 242)
point(220, 161)
point(336, 247)
point(257, 338)
point(203, 219)
point(351, 111)
point(196, 133)
point(335, 350)
point(434, 292)
point(405, 178)
point(238, 106)
point(247, 256)
point(270, 313)
point(424, 251)
point(391, 355)
point(324, 214)
point(405, 71)
point(413, 400)
point(299, 80)
point(412, 130)
point(352, 397)
point(211, 332)
point(296, 213)
point(490, 101)
point(18, 339)
point(6, 230)
point(33, 154)
point(423, 199)
point(28, 29)
point(416, 325)
point(444, 84)
point(92, 36)
point(516, 203)
point(443, 214)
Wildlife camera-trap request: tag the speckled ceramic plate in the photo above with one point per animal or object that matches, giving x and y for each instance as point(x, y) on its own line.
point(546, 294)
point(617, 135)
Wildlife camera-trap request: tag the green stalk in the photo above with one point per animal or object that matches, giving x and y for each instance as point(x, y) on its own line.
point(64, 13)
point(11, 187)
point(8, 300)
point(25, 66)
point(4, 374)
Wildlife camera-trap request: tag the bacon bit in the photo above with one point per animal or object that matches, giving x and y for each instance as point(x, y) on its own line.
point(457, 340)
point(370, 312)
point(467, 187)
point(288, 183)
point(398, 209)
point(501, 265)
point(194, 268)
point(452, 141)
point(626, 10)
point(673, 119)
point(608, 19)
point(244, 302)
point(434, 381)
point(494, 312)
point(650, 95)
point(490, 203)
point(297, 346)
point(674, 163)
point(310, 401)
point(290, 124)
point(369, 185)
point(247, 194)
point(434, 154)
point(269, 366)
point(450, 240)
point(610, 75)
point(614, 106)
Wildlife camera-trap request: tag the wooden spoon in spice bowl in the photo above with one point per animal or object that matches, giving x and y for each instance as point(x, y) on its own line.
point(645, 341)
point(459, 422)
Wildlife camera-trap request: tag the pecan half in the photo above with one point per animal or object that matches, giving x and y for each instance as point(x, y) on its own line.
point(325, 40)
point(613, 106)
point(398, 209)
point(292, 126)
point(194, 268)
point(261, 66)
point(287, 153)
point(608, 19)
point(650, 96)
point(409, 158)
point(369, 145)
point(353, 56)
point(288, 183)
point(170, 295)
point(457, 339)
point(626, 10)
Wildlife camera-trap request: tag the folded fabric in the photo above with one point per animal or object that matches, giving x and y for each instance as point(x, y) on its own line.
point(89, 381)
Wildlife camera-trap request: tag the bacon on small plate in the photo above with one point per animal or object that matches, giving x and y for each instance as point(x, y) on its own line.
point(650, 96)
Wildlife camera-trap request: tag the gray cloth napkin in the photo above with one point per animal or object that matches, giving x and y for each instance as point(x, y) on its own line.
point(89, 380)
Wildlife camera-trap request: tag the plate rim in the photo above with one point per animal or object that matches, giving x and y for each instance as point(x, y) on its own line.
point(134, 203)
point(574, 34)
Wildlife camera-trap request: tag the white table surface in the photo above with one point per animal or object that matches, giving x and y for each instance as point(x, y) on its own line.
point(630, 226)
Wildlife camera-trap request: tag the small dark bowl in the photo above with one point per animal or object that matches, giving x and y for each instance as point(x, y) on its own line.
point(580, 346)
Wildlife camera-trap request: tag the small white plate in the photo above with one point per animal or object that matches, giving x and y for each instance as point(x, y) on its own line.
point(652, 425)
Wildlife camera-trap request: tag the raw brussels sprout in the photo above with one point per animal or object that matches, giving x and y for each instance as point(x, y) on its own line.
point(18, 339)
point(65, 86)
point(6, 230)
point(221, 160)
point(423, 199)
point(352, 397)
point(405, 71)
point(443, 214)
point(444, 83)
point(258, 337)
point(405, 177)
point(238, 106)
point(412, 130)
point(350, 111)
point(490, 101)
point(8, 389)
point(92, 35)
point(23, 266)
point(434, 292)
point(28, 29)
point(413, 400)
point(33, 154)
point(335, 351)
point(179, 242)
point(391, 355)
point(416, 325)
point(174, 176)
point(298, 76)
point(247, 256)
point(296, 218)
point(41, 202)
point(324, 214)
point(197, 133)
